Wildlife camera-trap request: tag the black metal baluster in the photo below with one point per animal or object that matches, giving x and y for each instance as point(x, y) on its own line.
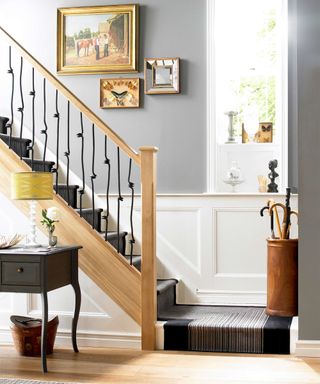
point(67, 153)
point(21, 109)
point(131, 186)
point(107, 162)
point(44, 131)
point(33, 94)
point(80, 135)
point(57, 116)
point(93, 176)
point(10, 71)
point(120, 198)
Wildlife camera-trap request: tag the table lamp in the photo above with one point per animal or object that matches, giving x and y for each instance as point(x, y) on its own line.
point(32, 186)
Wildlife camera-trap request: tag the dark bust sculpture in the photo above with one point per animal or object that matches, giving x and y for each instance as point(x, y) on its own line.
point(273, 187)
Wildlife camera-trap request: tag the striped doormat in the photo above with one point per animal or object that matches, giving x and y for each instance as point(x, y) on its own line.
point(227, 329)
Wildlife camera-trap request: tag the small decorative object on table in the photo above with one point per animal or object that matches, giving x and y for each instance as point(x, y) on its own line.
point(7, 241)
point(245, 136)
point(273, 187)
point(231, 130)
point(49, 217)
point(234, 176)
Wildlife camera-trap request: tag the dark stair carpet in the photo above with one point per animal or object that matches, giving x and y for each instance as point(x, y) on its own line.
point(19, 146)
point(220, 328)
point(3, 124)
point(39, 165)
point(71, 195)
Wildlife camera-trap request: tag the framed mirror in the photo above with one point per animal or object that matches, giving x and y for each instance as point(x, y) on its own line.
point(161, 75)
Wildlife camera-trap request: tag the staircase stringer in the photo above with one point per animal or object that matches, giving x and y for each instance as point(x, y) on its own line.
point(98, 259)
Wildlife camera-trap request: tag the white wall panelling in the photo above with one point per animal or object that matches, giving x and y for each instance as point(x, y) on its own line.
point(215, 245)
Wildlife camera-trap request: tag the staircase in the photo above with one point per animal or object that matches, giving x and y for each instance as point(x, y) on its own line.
point(129, 280)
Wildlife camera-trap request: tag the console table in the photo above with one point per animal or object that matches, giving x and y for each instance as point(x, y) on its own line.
point(41, 270)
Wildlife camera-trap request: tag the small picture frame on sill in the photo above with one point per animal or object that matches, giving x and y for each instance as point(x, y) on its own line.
point(120, 93)
point(264, 134)
point(161, 75)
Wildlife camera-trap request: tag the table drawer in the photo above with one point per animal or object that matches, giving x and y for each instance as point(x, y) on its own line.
point(16, 273)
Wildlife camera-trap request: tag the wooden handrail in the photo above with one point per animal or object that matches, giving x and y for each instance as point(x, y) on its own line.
point(74, 100)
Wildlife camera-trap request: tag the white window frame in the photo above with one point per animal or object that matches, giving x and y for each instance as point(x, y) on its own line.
point(212, 153)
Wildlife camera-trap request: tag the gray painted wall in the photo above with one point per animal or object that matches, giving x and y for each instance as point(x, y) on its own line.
point(174, 123)
point(308, 69)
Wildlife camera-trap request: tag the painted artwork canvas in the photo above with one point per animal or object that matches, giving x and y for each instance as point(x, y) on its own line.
point(97, 39)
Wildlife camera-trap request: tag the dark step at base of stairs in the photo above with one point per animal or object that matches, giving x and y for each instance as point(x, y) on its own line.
point(39, 165)
point(19, 146)
point(219, 328)
point(63, 192)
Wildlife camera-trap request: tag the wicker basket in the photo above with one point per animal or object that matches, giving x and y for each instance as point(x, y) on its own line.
point(26, 333)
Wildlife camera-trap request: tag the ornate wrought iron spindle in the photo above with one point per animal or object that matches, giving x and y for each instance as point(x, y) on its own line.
point(93, 176)
point(107, 162)
point(21, 109)
point(33, 94)
point(80, 135)
point(57, 116)
point(120, 198)
point(131, 186)
point(44, 131)
point(10, 124)
point(67, 152)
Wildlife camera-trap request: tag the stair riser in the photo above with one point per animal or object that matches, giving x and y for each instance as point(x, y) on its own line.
point(38, 166)
point(63, 192)
point(167, 298)
point(3, 123)
point(88, 216)
point(20, 148)
point(122, 244)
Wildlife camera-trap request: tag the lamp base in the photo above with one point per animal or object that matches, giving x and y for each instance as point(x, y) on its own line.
point(32, 245)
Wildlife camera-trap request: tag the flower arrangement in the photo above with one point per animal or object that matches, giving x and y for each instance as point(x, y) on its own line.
point(49, 217)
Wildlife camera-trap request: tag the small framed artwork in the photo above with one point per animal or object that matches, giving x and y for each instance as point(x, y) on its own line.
point(264, 135)
point(120, 93)
point(161, 76)
point(99, 39)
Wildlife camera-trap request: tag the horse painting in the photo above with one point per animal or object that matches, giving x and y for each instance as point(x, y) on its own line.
point(85, 44)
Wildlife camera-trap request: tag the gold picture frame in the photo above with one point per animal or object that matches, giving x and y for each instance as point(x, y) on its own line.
point(99, 39)
point(120, 93)
point(162, 75)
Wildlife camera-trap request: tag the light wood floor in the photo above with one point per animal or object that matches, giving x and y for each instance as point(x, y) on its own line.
point(97, 365)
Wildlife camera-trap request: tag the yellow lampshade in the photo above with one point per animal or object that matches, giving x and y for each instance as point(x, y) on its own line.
point(32, 186)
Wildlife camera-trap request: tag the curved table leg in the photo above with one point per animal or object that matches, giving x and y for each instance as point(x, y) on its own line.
point(44, 299)
point(77, 292)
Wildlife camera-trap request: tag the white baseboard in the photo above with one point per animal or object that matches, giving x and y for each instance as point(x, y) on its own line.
point(86, 339)
point(308, 348)
point(160, 335)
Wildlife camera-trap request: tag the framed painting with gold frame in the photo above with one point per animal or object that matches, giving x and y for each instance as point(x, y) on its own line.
point(100, 39)
point(161, 75)
point(120, 93)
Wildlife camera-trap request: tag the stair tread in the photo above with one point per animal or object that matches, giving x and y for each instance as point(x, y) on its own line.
point(87, 210)
point(113, 234)
point(65, 186)
point(6, 137)
point(164, 284)
point(37, 161)
point(136, 260)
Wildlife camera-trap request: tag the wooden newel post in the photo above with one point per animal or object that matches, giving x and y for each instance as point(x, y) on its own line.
point(148, 252)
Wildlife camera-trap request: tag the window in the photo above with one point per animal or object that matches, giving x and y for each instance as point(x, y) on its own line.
point(248, 42)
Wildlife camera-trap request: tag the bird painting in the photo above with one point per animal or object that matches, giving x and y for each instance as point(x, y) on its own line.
point(119, 93)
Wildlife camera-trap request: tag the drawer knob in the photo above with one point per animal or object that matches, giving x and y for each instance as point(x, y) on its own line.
point(20, 270)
